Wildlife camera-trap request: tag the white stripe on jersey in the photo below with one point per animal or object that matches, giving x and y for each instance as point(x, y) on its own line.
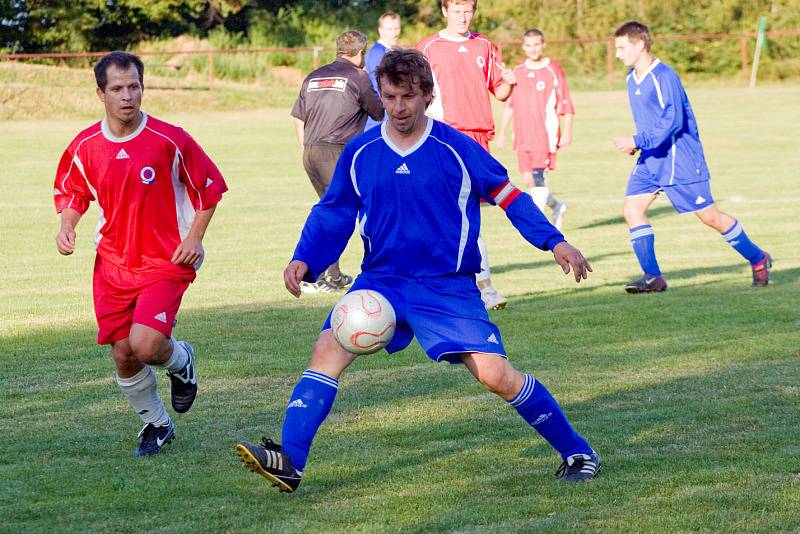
point(183, 164)
point(184, 211)
point(463, 196)
point(101, 221)
point(661, 103)
point(353, 165)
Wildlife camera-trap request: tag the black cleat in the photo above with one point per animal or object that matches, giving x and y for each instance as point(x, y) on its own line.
point(579, 467)
point(152, 438)
point(647, 284)
point(761, 271)
point(184, 383)
point(269, 461)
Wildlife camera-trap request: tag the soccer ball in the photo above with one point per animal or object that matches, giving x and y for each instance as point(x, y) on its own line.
point(363, 321)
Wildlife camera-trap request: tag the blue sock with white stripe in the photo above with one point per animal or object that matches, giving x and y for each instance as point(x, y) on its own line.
point(540, 410)
point(736, 238)
point(643, 243)
point(309, 405)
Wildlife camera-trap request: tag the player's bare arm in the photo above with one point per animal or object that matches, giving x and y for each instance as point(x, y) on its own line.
point(293, 275)
point(65, 238)
point(190, 250)
point(625, 143)
point(299, 130)
point(500, 140)
point(566, 131)
point(568, 256)
point(509, 81)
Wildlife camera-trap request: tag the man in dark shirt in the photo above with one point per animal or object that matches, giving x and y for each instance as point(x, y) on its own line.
point(332, 108)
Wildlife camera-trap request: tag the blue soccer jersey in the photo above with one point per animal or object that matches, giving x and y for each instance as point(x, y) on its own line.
point(666, 129)
point(417, 210)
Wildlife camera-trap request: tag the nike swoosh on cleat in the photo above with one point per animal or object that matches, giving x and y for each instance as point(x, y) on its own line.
point(649, 280)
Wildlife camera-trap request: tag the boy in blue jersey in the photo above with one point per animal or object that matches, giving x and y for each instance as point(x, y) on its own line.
point(388, 34)
point(671, 160)
point(414, 185)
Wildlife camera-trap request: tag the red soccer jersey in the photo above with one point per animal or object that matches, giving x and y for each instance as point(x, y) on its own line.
point(147, 186)
point(539, 98)
point(465, 71)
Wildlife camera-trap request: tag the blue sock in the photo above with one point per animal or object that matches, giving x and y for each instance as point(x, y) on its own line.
point(736, 238)
point(540, 410)
point(643, 243)
point(309, 405)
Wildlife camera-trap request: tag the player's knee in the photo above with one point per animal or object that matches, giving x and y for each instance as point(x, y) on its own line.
point(496, 378)
point(328, 355)
point(539, 178)
point(145, 350)
point(123, 357)
point(633, 214)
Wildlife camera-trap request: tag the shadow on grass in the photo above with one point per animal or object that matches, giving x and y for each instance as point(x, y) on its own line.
point(654, 213)
point(508, 267)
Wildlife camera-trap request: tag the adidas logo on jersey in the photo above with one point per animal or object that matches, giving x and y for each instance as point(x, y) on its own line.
point(531, 75)
point(462, 49)
point(122, 154)
point(492, 339)
point(637, 92)
point(402, 169)
point(297, 403)
point(161, 317)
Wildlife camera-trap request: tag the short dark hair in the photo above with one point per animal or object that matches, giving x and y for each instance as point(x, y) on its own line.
point(406, 66)
point(533, 32)
point(388, 15)
point(123, 60)
point(474, 3)
point(350, 43)
point(635, 31)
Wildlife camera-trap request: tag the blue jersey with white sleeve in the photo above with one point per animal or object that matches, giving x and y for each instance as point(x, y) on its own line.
point(666, 128)
point(417, 210)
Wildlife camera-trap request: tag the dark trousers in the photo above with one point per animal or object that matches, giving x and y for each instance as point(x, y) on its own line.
point(319, 162)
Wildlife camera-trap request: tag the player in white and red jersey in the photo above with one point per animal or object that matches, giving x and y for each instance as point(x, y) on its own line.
point(156, 191)
point(467, 66)
point(540, 106)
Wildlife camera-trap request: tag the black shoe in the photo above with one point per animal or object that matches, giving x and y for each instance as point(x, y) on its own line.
point(269, 461)
point(343, 281)
point(647, 284)
point(761, 271)
point(579, 467)
point(152, 438)
point(184, 383)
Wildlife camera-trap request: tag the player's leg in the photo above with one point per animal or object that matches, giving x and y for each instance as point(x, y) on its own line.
point(539, 409)
point(733, 233)
point(309, 405)
point(492, 299)
point(639, 195)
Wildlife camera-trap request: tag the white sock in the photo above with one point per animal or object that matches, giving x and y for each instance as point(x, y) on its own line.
point(551, 200)
point(486, 272)
point(177, 360)
point(539, 195)
point(142, 394)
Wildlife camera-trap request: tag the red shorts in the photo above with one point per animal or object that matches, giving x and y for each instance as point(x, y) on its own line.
point(122, 298)
point(529, 160)
point(481, 136)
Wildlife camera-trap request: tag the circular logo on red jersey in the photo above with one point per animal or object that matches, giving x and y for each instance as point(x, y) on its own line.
point(540, 85)
point(147, 174)
point(481, 61)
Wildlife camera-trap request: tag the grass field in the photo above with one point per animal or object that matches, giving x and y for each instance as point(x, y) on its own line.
point(691, 397)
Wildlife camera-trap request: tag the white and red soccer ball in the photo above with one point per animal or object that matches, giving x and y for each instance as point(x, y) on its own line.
point(363, 321)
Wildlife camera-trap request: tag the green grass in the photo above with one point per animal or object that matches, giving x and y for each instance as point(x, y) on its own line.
point(691, 397)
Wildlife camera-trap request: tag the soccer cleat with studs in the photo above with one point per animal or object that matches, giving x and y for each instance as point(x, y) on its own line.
point(152, 438)
point(579, 467)
point(647, 284)
point(492, 300)
point(761, 271)
point(184, 382)
point(269, 461)
point(343, 281)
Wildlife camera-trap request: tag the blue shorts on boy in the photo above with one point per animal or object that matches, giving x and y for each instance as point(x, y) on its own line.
point(445, 313)
point(685, 197)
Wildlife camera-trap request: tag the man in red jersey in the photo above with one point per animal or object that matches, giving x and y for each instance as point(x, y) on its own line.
point(540, 106)
point(156, 191)
point(467, 66)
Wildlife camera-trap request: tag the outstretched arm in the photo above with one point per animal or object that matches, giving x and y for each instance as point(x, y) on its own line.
point(568, 256)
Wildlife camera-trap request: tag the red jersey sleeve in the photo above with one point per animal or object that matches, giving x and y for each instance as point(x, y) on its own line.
point(495, 68)
point(71, 189)
point(204, 182)
point(564, 104)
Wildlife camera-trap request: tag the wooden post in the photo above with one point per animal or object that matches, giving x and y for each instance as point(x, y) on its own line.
point(317, 50)
point(211, 73)
point(762, 26)
point(610, 62)
point(743, 46)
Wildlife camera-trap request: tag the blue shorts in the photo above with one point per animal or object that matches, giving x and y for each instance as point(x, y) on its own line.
point(685, 198)
point(445, 313)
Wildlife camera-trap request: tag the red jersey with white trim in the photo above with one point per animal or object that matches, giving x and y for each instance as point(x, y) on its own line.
point(147, 185)
point(465, 71)
point(540, 97)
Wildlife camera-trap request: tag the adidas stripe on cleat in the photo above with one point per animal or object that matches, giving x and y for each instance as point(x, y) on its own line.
point(269, 461)
point(152, 438)
point(184, 383)
point(579, 467)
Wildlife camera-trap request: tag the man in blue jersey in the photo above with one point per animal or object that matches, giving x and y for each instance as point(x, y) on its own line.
point(388, 34)
point(415, 185)
point(671, 160)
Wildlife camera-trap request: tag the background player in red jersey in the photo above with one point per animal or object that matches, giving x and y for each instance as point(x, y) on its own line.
point(156, 191)
point(467, 66)
point(542, 110)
